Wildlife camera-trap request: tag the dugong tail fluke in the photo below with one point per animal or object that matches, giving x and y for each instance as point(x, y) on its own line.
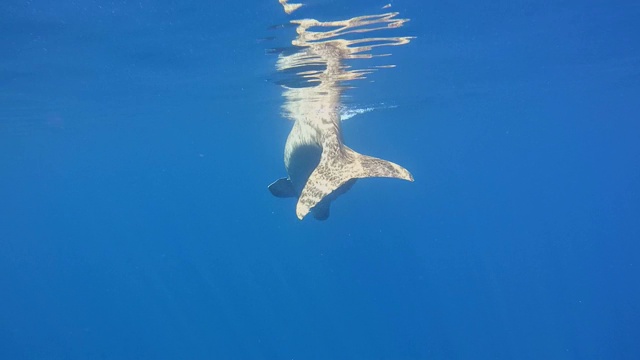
point(339, 164)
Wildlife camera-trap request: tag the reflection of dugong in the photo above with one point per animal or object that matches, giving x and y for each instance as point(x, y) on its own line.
point(319, 165)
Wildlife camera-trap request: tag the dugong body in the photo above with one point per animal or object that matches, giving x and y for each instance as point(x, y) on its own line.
point(319, 166)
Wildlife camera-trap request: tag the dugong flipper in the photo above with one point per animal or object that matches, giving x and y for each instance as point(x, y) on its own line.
point(283, 188)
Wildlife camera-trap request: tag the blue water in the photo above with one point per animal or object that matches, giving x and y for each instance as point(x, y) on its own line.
point(137, 140)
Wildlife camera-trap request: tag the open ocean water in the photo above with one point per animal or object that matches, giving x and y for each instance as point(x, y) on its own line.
point(137, 140)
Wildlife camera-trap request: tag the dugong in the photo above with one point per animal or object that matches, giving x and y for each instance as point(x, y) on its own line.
point(320, 167)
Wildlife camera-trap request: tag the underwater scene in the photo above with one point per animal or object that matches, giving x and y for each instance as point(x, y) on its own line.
point(322, 179)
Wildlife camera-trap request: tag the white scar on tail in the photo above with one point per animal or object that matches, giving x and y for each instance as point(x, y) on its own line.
point(320, 166)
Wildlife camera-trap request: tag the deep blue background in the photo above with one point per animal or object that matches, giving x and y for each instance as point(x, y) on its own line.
point(137, 140)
